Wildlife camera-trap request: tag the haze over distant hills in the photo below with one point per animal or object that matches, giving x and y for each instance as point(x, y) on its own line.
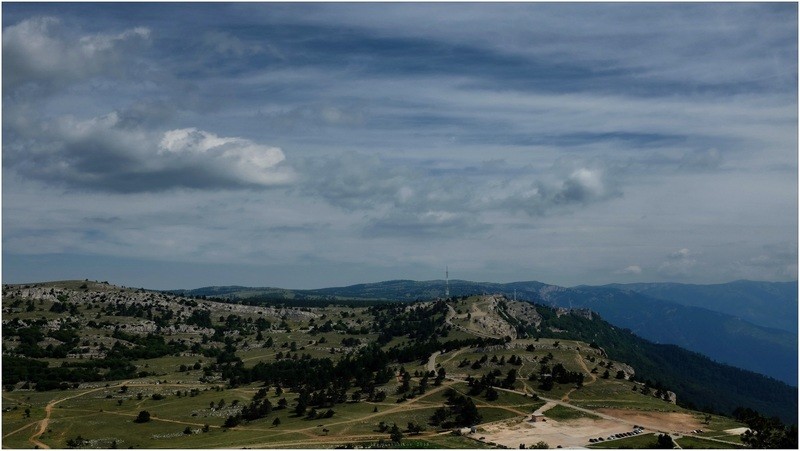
point(768, 304)
point(745, 324)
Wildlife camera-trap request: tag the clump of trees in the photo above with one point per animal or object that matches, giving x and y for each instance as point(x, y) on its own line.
point(488, 381)
point(558, 374)
point(143, 417)
point(664, 441)
point(765, 432)
point(77, 442)
point(460, 411)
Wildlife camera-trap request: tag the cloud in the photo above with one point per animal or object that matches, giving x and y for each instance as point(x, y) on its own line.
point(679, 264)
point(108, 153)
point(680, 255)
point(584, 186)
point(228, 44)
point(355, 181)
point(387, 115)
point(701, 159)
point(773, 261)
point(238, 159)
point(633, 269)
point(699, 45)
point(447, 198)
point(151, 113)
point(433, 223)
point(40, 51)
point(314, 116)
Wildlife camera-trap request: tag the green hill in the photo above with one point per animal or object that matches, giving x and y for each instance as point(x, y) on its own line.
point(719, 335)
point(697, 332)
point(91, 365)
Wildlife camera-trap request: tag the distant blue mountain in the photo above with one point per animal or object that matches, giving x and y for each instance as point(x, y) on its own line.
point(768, 304)
point(724, 338)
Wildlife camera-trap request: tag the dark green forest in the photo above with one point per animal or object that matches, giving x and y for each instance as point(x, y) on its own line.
point(700, 382)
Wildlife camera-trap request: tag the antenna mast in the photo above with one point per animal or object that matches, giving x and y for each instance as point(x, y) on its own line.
point(446, 282)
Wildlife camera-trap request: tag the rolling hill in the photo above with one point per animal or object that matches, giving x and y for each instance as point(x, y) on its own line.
point(92, 365)
point(721, 336)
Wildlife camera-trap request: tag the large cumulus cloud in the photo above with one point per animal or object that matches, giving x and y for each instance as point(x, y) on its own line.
point(106, 154)
point(48, 67)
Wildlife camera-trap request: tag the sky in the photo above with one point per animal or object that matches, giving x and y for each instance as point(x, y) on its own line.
point(308, 145)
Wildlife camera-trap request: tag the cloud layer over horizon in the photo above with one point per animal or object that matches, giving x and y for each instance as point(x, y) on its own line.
point(277, 144)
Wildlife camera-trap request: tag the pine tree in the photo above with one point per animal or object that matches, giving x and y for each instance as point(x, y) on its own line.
point(395, 434)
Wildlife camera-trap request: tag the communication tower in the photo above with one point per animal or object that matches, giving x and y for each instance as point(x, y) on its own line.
point(446, 282)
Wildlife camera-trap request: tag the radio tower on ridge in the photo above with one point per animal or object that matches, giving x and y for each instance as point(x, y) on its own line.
point(446, 282)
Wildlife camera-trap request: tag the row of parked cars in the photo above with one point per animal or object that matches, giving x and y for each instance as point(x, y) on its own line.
point(636, 431)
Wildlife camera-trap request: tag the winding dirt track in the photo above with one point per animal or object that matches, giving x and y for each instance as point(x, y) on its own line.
point(48, 410)
point(432, 361)
point(313, 438)
point(582, 363)
point(318, 440)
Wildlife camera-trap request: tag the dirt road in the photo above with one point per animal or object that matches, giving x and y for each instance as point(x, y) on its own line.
point(48, 410)
point(432, 361)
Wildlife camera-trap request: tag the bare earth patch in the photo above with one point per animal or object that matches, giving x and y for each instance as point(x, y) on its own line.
point(576, 433)
point(657, 421)
point(567, 434)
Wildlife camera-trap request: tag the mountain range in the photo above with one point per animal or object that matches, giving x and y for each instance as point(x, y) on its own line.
point(746, 324)
point(768, 304)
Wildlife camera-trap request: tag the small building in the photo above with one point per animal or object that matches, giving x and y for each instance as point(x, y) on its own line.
point(537, 417)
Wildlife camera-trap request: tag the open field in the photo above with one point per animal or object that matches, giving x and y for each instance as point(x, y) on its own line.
point(691, 442)
point(642, 441)
point(561, 413)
